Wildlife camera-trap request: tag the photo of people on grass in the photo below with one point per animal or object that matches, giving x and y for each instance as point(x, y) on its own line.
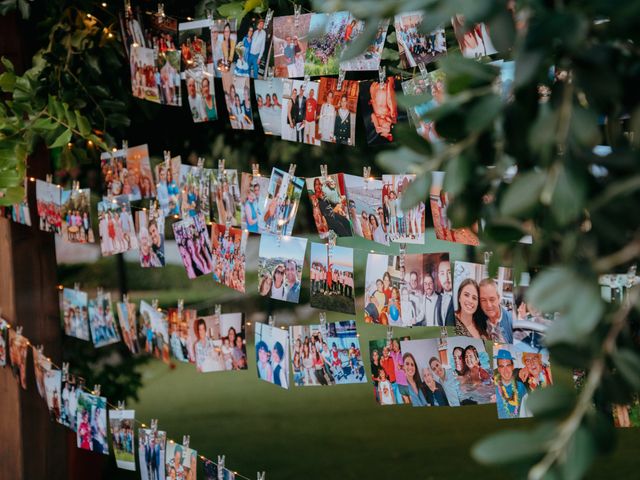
point(331, 276)
point(272, 354)
point(74, 306)
point(280, 263)
point(370, 59)
point(115, 224)
point(48, 202)
point(121, 423)
point(290, 40)
point(414, 46)
point(403, 226)
point(330, 34)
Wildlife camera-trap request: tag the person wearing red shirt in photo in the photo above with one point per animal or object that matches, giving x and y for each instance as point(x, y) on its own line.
point(311, 112)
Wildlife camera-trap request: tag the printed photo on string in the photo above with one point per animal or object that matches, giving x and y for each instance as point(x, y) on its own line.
point(194, 245)
point(281, 204)
point(386, 288)
point(195, 44)
point(20, 212)
point(224, 37)
point(432, 83)
point(4, 342)
point(155, 330)
point(115, 224)
point(254, 46)
point(364, 201)
point(102, 322)
point(145, 76)
point(269, 97)
point(74, 306)
point(472, 370)
point(150, 226)
point(370, 59)
point(168, 186)
point(71, 390)
point(131, 28)
point(18, 349)
point(483, 305)
point(415, 47)
point(326, 354)
point(387, 374)
point(272, 354)
point(48, 202)
point(91, 418)
point(179, 323)
point(226, 192)
point(427, 379)
point(331, 276)
point(329, 34)
point(402, 226)
point(474, 40)
point(151, 453)
point(280, 262)
point(217, 343)
point(229, 248)
point(195, 191)
point(300, 112)
point(439, 200)
point(201, 94)
point(529, 323)
point(504, 82)
point(122, 423)
point(253, 196)
point(237, 95)
point(627, 416)
point(290, 40)
point(127, 317)
point(379, 110)
point(337, 111)
point(41, 365)
point(53, 389)
point(76, 216)
point(128, 173)
point(182, 462)
point(329, 205)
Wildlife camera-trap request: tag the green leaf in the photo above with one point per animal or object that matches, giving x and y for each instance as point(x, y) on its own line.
point(360, 44)
point(83, 124)
point(581, 452)
point(7, 81)
point(25, 8)
point(9, 178)
point(523, 195)
point(118, 120)
point(458, 67)
point(7, 64)
point(45, 124)
point(483, 113)
point(555, 400)
point(231, 10)
point(528, 67)
point(627, 363)
point(12, 195)
point(458, 171)
point(417, 191)
point(569, 195)
point(401, 160)
point(510, 447)
point(406, 135)
point(62, 140)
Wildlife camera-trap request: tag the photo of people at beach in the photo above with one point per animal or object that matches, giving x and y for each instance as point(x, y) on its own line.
point(229, 247)
point(218, 343)
point(150, 231)
point(253, 196)
point(472, 370)
point(280, 263)
point(48, 202)
point(337, 111)
point(403, 226)
point(74, 306)
point(300, 111)
point(414, 46)
point(331, 276)
point(329, 204)
point(121, 423)
point(364, 202)
point(326, 354)
point(91, 419)
point(102, 323)
point(290, 40)
point(194, 245)
point(282, 201)
point(155, 331)
point(269, 98)
point(76, 216)
point(272, 354)
point(127, 317)
point(115, 224)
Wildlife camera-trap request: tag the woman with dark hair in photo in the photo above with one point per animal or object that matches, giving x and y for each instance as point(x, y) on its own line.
point(342, 127)
point(470, 321)
point(414, 382)
point(433, 391)
point(376, 230)
point(265, 371)
point(277, 287)
point(207, 99)
point(475, 374)
point(318, 365)
point(460, 367)
point(307, 364)
point(227, 47)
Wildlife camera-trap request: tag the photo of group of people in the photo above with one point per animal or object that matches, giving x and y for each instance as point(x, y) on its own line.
point(414, 47)
point(116, 227)
point(48, 202)
point(91, 420)
point(131, 27)
point(370, 59)
point(518, 374)
point(300, 112)
point(430, 83)
point(168, 186)
point(213, 472)
point(280, 262)
point(253, 198)
point(387, 374)
point(194, 245)
point(272, 354)
point(290, 40)
point(229, 261)
point(439, 200)
point(41, 365)
point(18, 349)
point(195, 39)
point(150, 231)
point(326, 354)
point(217, 343)
point(470, 365)
point(145, 75)
point(379, 110)
point(71, 390)
point(53, 390)
point(331, 32)
point(401, 226)
point(329, 205)
point(474, 40)
point(155, 331)
point(409, 290)
point(337, 111)
point(226, 192)
point(128, 173)
point(237, 95)
point(151, 452)
point(281, 204)
point(122, 423)
point(254, 47)
point(127, 317)
point(76, 215)
point(102, 322)
point(331, 276)
point(224, 38)
point(74, 306)
point(179, 321)
point(364, 197)
point(201, 94)
point(195, 191)
point(483, 305)
point(268, 98)
point(181, 462)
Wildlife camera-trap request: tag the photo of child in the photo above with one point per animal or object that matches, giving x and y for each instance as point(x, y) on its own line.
point(218, 343)
point(272, 354)
point(91, 418)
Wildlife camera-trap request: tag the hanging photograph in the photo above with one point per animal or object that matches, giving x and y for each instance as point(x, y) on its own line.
point(530, 325)
point(151, 452)
point(326, 354)
point(127, 317)
point(483, 305)
point(379, 110)
point(281, 205)
point(131, 28)
point(290, 39)
point(387, 372)
point(168, 186)
point(329, 205)
point(194, 245)
point(76, 216)
point(402, 226)
point(331, 275)
point(474, 40)
point(53, 389)
point(328, 37)
point(145, 77)
point(74, 306)
point(4, 342)
point(254, 46)
point(300, 112)
point(472, 370)
point(150, 231)
point(195, 45)
point(91, 418)
point(272, 354)
point(370, 59)
point(627, 416)
point(195, 191)
point(217, 343)
point(226, 192)
point(237, 95)
point(20, 212)
point(229, 249)
point(48, 202)
point(18, 349)
point(102, 322)
point(269, 98)
point(179, 322)
point(122, 423)
point(253, 196)
point(439, 200)
point(280, 265)
point(182, 462)
point(364, 202)
point(115, 224)
point(337, 111)
point(128, 174)
point(201, 94)
point(430, 83)
point(69, 403)
point(415, 47)
point(41, 365)
point(224, 38)
point(155, 331)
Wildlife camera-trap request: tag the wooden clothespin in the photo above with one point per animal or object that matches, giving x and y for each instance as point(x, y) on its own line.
point(19, 330)
point(292, 169)
point(323, 318)
point(167, 159)
point(185, 441)
point(96, 389)
point(99, 292)
point(297, 10)
point(267, 19)
point(49, 178)
point(76, 286)
point(75, 185)
point(389, 333)
point(262, 475)
point(255, 169)
point(200, 164)
point(180, 307)
point(65, 371)
point(272, 320)
point(221, 172)
point(423, 71)
point(218, 309)
point(121, 405)
point(382, 76)
point(403, 253)
point(221, 459)
point(154, 304)
point(323, 171)
point(154, 425)
point(366, 176)
point(160, 10)
point(127, 5)
point(125, 147)
point(125, 298)
point(341, 75)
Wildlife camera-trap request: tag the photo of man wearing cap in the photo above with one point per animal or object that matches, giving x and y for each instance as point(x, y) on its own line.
point(510, 391)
